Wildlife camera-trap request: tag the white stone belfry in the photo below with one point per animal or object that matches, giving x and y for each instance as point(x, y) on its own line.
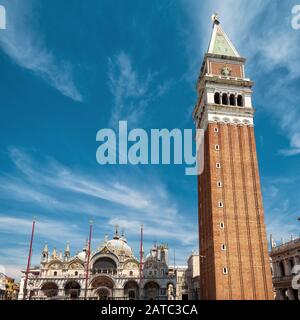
point(226, 93)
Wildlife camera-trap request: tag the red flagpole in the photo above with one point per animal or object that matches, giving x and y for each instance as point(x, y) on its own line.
point(28, 261)
point(88, 260)
point(141, 255)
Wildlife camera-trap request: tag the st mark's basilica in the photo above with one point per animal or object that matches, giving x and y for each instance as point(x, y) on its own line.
point(114, 273)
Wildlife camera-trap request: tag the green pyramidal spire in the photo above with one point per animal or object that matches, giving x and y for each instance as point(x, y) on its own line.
point(219, 42)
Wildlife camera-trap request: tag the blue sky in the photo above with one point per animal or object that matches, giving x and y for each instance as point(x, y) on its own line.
point(69, 70)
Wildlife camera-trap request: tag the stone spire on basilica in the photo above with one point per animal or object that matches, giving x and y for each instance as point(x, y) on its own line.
point(45, 253)
point(116, 236)
point(54, 254)
point(67, 252)
point(123, 235)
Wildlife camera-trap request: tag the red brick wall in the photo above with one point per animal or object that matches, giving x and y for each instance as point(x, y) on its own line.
point(236, 69)
point(244, 235)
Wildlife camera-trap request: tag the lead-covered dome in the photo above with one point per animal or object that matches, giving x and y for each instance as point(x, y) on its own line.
point(118, 245)
point(82, 255)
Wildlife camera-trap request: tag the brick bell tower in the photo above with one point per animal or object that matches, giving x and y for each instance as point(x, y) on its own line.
point(234, 261)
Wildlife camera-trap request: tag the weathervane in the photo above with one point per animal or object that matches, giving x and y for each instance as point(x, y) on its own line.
point(215, 18)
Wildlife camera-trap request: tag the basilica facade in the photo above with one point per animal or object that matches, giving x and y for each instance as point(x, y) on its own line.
point(114, 273)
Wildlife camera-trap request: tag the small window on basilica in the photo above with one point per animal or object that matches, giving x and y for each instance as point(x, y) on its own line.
point(131, 273)
point(222, 225)
point(76, 273)
point(217, 147)
point(220, 205)
point(219, 184)
point(223, 247)
point(55, 273)
point(216, 129)
point(218, 165)
point(225, 270)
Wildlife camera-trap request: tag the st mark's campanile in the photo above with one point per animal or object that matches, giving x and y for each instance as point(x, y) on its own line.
point(234, 262)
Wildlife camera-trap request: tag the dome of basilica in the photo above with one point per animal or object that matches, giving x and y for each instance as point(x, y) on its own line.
point(81, 255)
point(118, 245)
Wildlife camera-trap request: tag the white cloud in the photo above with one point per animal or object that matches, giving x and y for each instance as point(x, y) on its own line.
point(47, 229)
point(281, 206)
point(133, 197)
point(12, 270)
point(17, 230)
point(281, 229)
point(132, 91)
point(131, 202)
point(22, 42)
point(184, 234)
point(290, 152)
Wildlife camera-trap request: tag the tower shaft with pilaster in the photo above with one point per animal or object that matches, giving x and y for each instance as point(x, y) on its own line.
point(234, 261)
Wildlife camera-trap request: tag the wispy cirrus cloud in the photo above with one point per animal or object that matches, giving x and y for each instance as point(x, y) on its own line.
point(13, 257)
point(166, 231)
point(63, 178)
point(24, 44)
point(47, 229)
point(55, 187)
point(132, 91)
point(282, 205)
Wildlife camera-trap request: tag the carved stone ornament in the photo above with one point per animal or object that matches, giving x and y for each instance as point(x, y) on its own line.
point(226, 71)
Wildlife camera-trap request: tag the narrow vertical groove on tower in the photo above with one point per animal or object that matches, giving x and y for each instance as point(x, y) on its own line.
point(246, 212)
point(237, 231)
point(210, 249)
point(254, 171)
point(224, 212)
